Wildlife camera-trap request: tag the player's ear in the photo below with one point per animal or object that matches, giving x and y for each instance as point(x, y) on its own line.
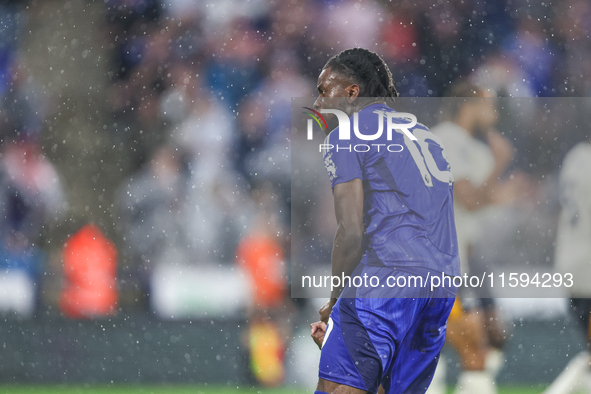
point(351, 93)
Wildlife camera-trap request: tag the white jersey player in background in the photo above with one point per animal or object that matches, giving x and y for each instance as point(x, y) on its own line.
point(573, 256)
point(478, 156)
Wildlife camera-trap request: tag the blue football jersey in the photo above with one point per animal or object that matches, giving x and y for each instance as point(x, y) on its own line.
point(408, 191)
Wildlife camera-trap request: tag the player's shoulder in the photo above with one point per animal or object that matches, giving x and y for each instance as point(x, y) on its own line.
point(581, 150)
point(578, 159)
point(450, 130)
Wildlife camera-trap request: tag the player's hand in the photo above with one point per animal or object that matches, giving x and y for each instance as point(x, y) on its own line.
point(318, 330)
point(501, 148)
point(326, 310)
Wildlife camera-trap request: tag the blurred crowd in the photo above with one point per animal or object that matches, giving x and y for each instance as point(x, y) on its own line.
point(201, 94)
point(31, 193)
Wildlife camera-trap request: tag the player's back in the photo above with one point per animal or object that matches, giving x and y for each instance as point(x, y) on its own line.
point(408, 200)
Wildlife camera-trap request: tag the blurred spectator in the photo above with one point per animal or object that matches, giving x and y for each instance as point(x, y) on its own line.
point(345, 19)
point(261, 255)
point(206, 130)
point(128, 21)
point(266, 123)
point(179, 210)
point(31, 194)
point(534, 55)
point(30, 197)
point(235, 70)
point(11, 21)
point(152, 211)
point(36, 190)
point(260, 252)
point(217, 213)
point(501, 75)
point(572, 25)
point(292, 28)
point(400, 36)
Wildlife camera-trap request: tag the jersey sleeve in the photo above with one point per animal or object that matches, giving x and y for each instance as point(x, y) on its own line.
point(341, 161)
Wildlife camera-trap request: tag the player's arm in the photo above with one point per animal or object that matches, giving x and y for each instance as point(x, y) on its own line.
point(491, 191)
point(346, 250)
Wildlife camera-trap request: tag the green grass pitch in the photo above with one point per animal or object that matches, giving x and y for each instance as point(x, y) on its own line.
point(186, 389)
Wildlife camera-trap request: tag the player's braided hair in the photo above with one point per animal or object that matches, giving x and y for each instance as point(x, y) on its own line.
point(367, 69)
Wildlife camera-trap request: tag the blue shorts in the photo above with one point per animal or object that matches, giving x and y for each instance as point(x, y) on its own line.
point(394, 342)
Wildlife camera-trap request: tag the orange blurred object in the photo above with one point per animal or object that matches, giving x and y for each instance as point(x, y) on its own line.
point(262, 257)
point(90, 269)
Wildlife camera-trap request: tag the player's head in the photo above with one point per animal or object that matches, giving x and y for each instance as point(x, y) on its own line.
point(355, 73)
point(474, 111)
